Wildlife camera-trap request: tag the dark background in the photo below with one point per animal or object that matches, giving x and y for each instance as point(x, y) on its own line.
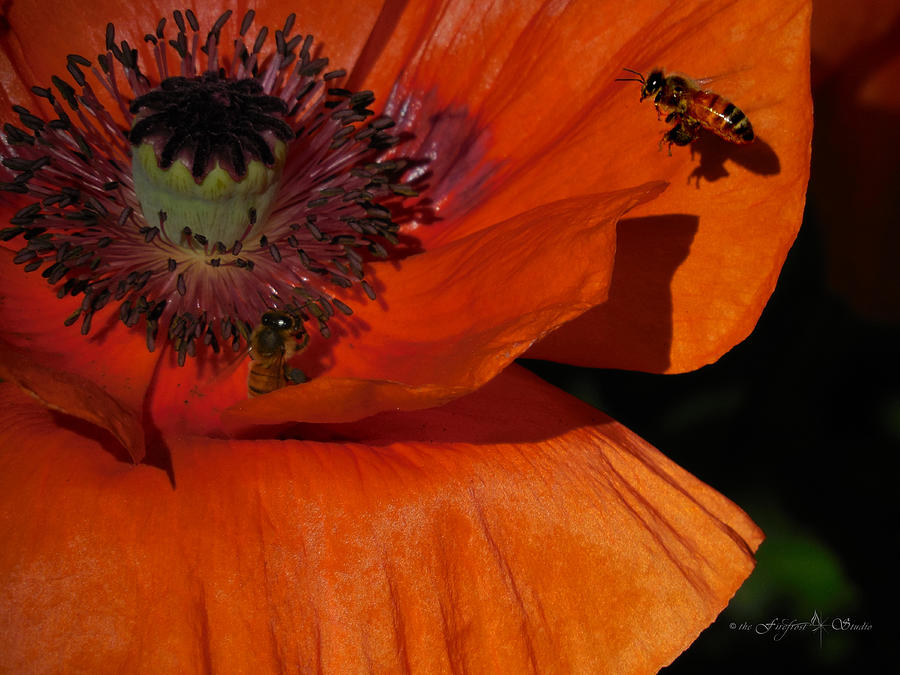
point(800, 426)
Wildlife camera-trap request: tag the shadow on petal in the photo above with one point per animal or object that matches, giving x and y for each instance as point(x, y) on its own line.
point(759, 157)
point(649, 249)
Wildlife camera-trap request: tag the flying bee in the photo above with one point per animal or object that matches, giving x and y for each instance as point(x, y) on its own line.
point(690, 107)
point(276, 339)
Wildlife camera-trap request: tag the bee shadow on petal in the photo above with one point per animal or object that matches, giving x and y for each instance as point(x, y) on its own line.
point(318, 356)
point(757, 157)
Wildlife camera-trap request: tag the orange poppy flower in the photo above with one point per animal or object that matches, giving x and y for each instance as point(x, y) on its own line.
point(418, 505)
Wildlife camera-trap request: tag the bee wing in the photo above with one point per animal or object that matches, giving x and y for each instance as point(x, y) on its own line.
point(225, 364)
point(703, 82)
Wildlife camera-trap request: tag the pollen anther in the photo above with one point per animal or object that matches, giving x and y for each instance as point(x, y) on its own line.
point(163, 216)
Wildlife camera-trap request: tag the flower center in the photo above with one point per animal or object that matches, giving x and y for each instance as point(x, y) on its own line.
point(207, 155)
point(236, 186)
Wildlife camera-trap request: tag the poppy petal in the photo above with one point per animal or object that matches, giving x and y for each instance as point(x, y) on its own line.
point(101, 379)
point(75, 395)
point(443, 326)
point(36, 41)
point(513, 530)
point(454, 316)
point(695, 271)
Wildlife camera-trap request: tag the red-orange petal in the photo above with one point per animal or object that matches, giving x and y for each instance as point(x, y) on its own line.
point(695, 269)
point(39, 35)
point(405, 343)
point(104, 378)
point(510, 531)
point(101, 378)
point(453, 317)
point(446, 322)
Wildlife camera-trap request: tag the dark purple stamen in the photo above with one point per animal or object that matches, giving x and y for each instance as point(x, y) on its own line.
point(85, 229)
point(210, 118)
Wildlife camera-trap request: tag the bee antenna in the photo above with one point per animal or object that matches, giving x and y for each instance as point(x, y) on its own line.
point(636, 72)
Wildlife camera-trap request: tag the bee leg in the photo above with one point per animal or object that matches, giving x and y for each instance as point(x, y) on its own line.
point(670, 135)
point(656, 100)
point(683, 133)
point(690, 132)
point(294, 375)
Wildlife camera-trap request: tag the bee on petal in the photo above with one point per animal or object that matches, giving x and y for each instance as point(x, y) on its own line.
point(273, 342)
point(691, 108)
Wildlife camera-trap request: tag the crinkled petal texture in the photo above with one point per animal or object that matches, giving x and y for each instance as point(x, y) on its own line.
point(510, 531)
